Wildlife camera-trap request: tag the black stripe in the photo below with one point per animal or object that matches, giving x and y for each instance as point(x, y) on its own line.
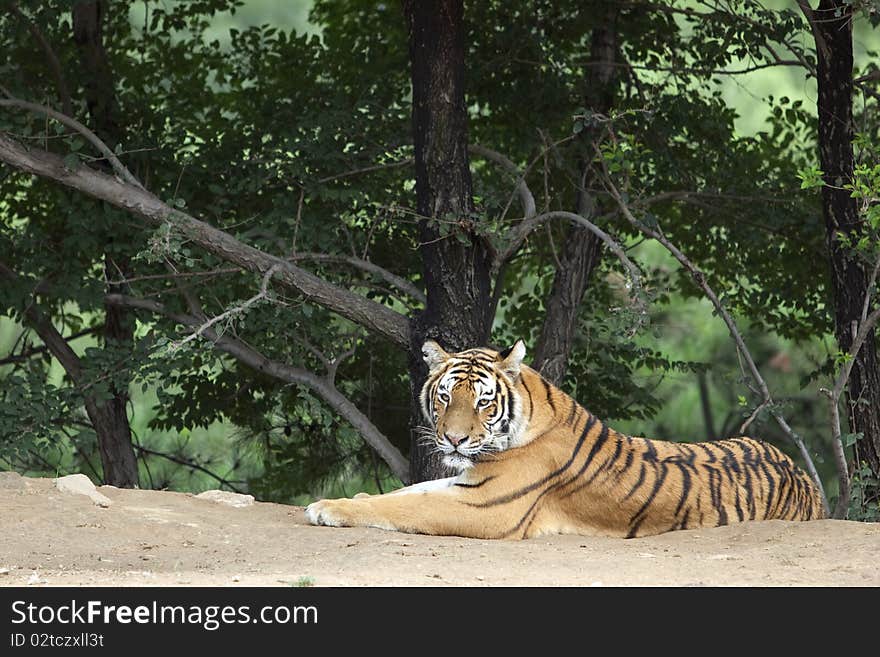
point(574, 407)
point(531, 402)
point(715, 482)
point(629, 461)
point(504, 499)
point(606, 465)
point(600, 440)
point(603, 436)
point(634, 525)
point(691, 454)
point(748, 466)
point(684, 521)
point(709, 452)
point(637, 485)
point(730, 459)
point(787, 503)
point(781, 478)
point(736, 505)
point(510, 399)
point(548, 390)
point(685, 487)
point(771, 486)
point(480, 374)
point(476, 485)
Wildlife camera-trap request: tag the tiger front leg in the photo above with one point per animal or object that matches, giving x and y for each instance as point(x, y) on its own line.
point(442, 511)
point(348, 513)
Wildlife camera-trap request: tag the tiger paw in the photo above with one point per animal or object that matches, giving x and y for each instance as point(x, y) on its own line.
point(330, 513)
point(348, 513)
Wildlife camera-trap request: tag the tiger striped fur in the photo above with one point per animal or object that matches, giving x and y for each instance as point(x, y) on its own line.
point(533, 462)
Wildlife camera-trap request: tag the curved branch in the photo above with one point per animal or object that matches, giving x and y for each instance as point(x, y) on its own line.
point(73, 124)
point(817, 34)
point(526, 198)
point(36, 351)
point(834, 395)
point(392, 279)
point(246, 354)
point(700, 279)
point(612, 244)
point(192, 465)
point(133, 198)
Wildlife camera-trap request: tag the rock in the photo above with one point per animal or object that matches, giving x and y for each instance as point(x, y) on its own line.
point(236, 500)
point(11, 481)
point(79, 484)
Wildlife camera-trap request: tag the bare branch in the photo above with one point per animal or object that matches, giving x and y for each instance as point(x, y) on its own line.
point(337, 361)
point(192, 465)
point(526, 198)
point(394, 280)
point(868, 323)
point(51, 337)
point(235, 310)
point(369, 314)
point(174, 275)
point(609, 241)
point(247, 355)
point(375, 167)
point(817, 35)
point(700, 279)
point(702, 71)
point(73, 124)
point(191, 299)
point(36, 351)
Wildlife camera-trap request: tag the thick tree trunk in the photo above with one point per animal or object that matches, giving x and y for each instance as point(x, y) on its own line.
point(582, 250)
point(110, 419)
point(848, 275)
point(456, 261)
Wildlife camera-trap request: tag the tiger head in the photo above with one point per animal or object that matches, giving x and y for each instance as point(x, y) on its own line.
point(471, 402)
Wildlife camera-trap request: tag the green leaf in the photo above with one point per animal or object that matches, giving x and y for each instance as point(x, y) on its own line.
point(71, 161)
point(850, 439)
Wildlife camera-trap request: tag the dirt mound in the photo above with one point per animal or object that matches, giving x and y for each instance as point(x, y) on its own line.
point(150, 538)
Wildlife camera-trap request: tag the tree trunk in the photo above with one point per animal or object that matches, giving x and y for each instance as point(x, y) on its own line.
point(110, 419)
point(456, 261)
point(849, 280)
point(582, 250)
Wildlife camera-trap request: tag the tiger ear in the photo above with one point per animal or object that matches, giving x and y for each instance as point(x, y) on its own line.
point(433, 354)
point(511, 359)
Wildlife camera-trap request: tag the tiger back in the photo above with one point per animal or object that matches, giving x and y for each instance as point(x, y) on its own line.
point(533, 461)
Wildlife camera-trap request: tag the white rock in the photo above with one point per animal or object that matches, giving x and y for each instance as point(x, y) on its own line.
point(237, 500)
point(79, 484)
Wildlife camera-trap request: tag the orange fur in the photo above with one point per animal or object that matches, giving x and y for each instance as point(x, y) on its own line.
point(557, 469)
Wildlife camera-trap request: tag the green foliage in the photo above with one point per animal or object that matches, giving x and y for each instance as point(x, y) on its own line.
point(290, 140)
point(863, 504)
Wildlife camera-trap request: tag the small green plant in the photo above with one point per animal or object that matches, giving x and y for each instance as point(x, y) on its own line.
point(861, 507)
point(304, 582)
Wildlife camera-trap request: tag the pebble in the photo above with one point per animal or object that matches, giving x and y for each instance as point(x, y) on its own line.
point(236, 500)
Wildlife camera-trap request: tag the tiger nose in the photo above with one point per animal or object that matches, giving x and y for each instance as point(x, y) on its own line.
point(455, 439)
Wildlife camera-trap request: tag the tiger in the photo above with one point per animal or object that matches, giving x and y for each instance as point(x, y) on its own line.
point(531, 461)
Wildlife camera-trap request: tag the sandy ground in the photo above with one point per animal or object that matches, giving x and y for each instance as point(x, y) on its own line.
point(153, 538)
